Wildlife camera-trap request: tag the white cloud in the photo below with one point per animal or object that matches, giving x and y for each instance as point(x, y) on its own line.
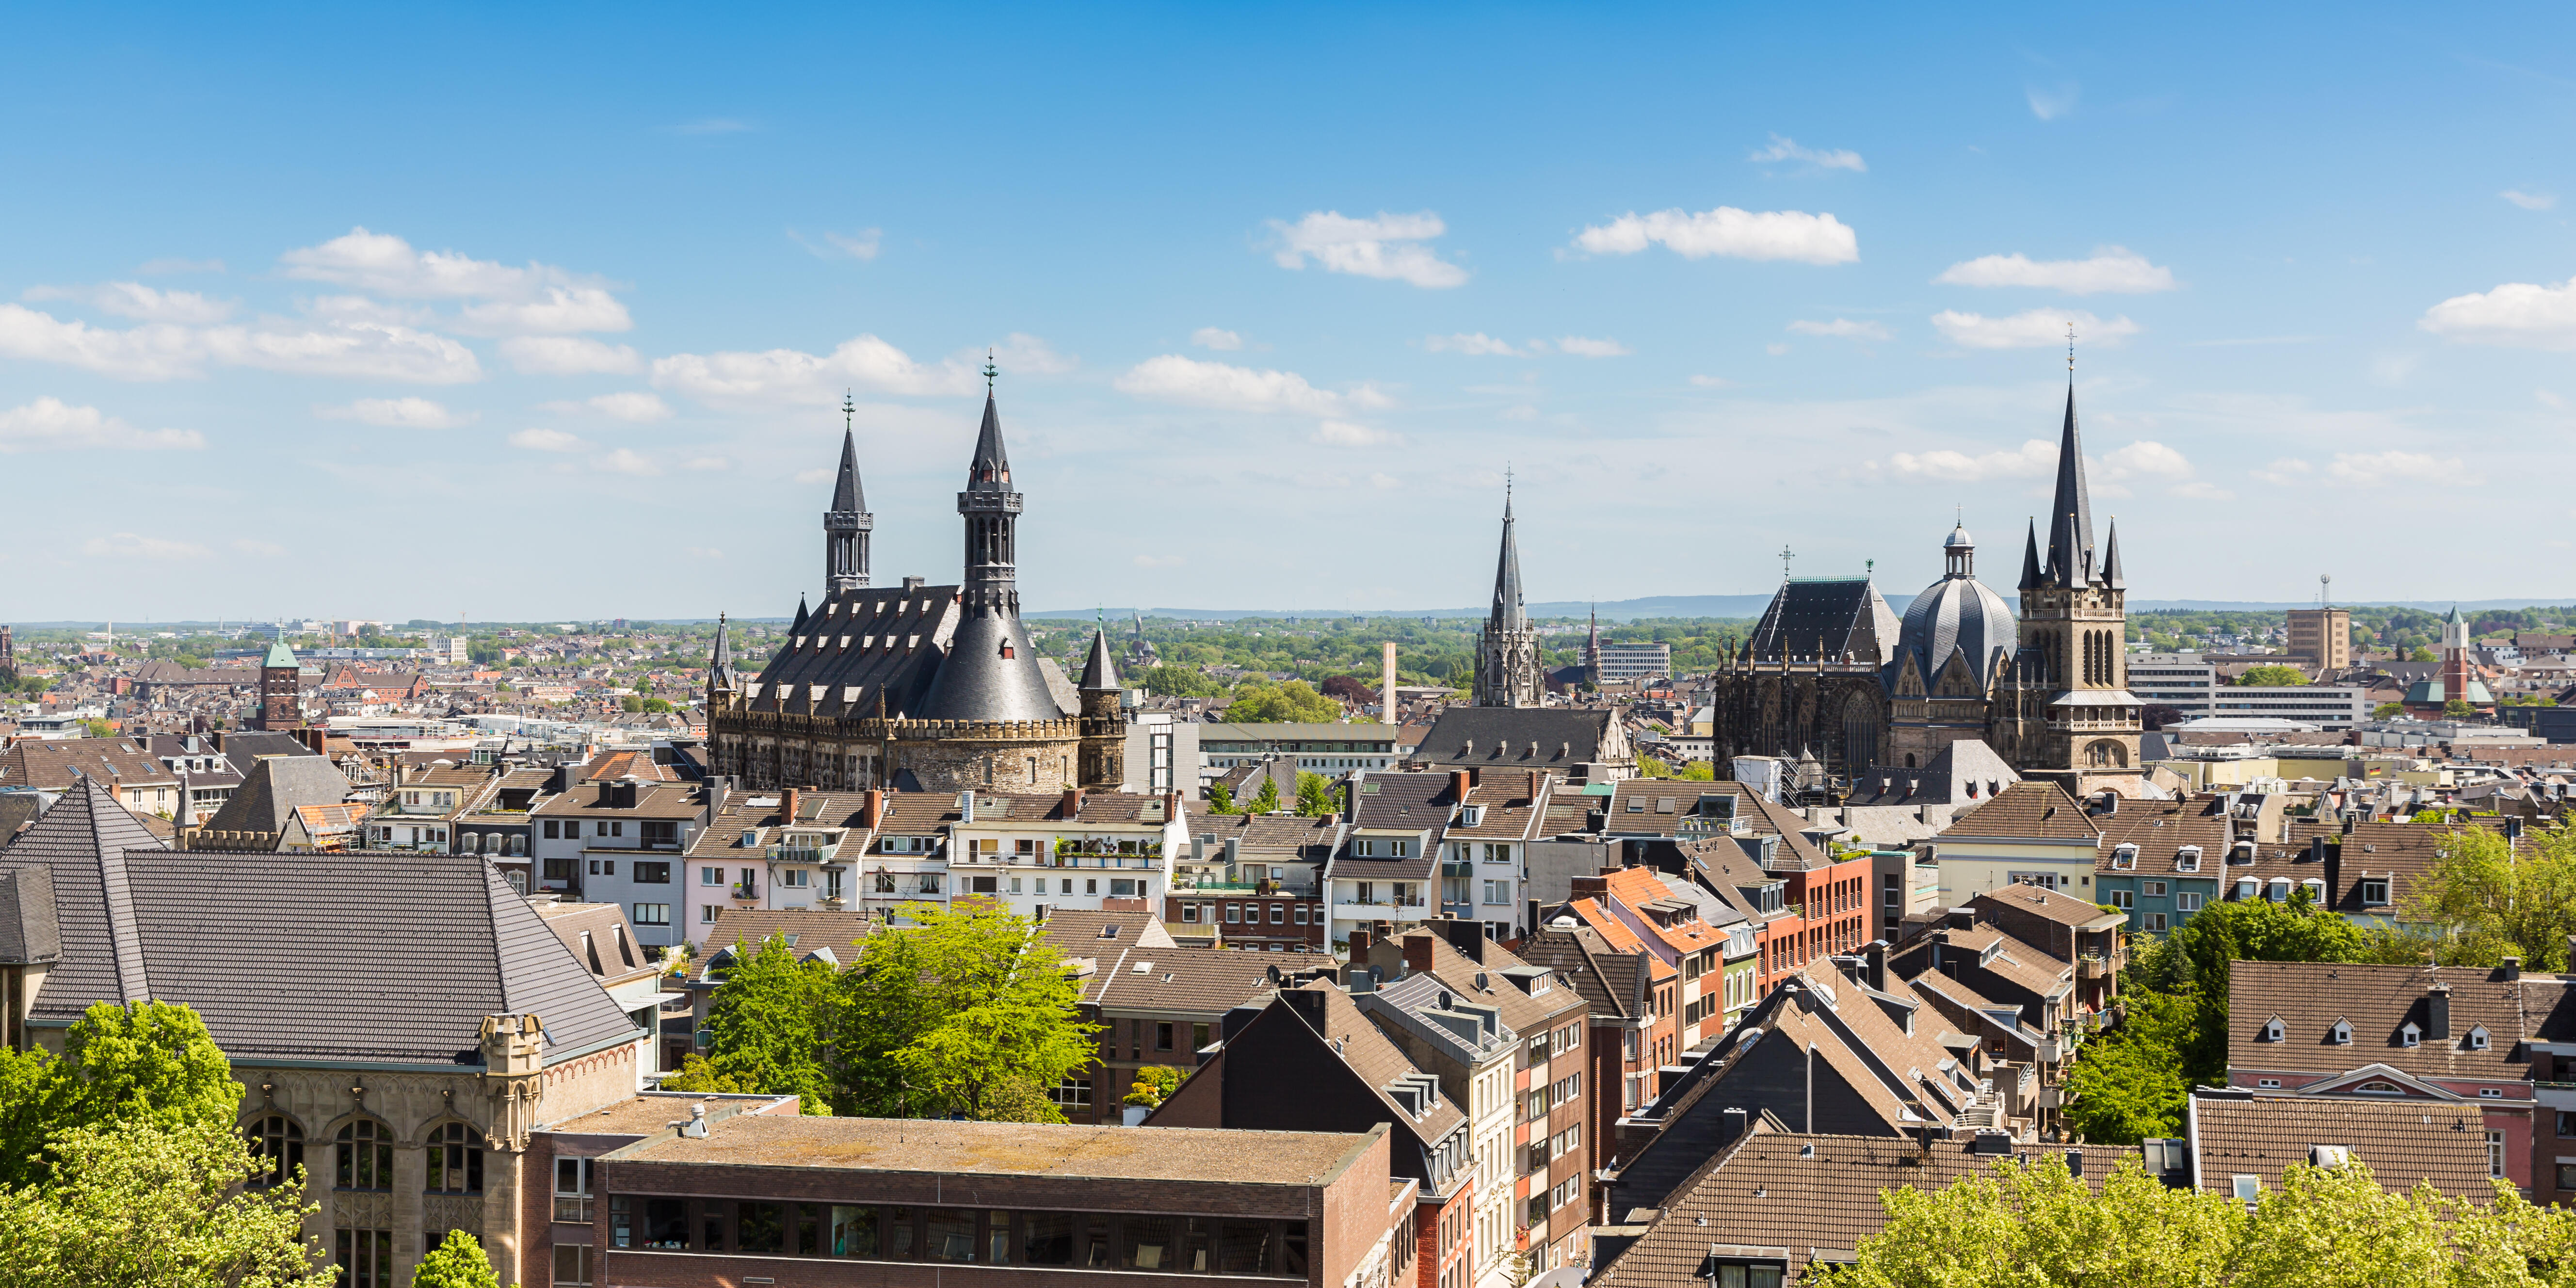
point(2033, 458)
point(387, 265)
point(163, 351)
point(706, 464)
point(862, 245)
point(400, 413)
point(566, 355)
point(1021, 354)
point(546, 440)
point(128, 545)
point(2530, 200)
point(2038, 328)
point(702, 552)
point(1782, 149)
point(1738, 234)
point(1470, 342)
point(1342, 433)
point(2520, 314)
point(50, 424)
point(1173, 378)
point(558, 310)
point(2405, 469)
point(141, 303)
point(1217, 338)
point(1389, 247)
point(2144, 459)
point(2112, 269)
point(1582, 347)
point(622, 461)
point(790, 375)
point(633, 406)
point(1711, 382)
point(263, 549)
point(1843, 328)
point(2050, 104)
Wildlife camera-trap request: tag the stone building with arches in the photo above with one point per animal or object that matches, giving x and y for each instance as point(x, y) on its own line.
point(399, 1029)
point(1832, 673)
point(917, 686)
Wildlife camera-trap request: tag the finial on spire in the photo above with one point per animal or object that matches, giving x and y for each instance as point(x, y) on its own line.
point(2070, 352)
point(849, 410)
point(1785, 557)
point(990, 371)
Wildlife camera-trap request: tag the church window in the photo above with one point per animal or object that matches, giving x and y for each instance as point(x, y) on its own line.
point(455, 1160)
point(366, 1157)
point(278, 1142)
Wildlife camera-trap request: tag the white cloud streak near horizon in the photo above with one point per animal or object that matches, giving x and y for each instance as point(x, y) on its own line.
point(2522, 315)
point(2038, 328)
point(50, 424)
point(1177, 379)
point(1787, 149)
point(2112, 269)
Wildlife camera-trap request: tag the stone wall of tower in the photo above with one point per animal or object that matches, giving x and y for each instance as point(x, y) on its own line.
point(2079, 633)
point(1103, 762)
point(1507, 668)
point(943, 757)
point(281, 704)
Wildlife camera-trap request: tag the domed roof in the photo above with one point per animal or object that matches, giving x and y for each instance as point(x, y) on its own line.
point(1957, 613)
point(1959, 540)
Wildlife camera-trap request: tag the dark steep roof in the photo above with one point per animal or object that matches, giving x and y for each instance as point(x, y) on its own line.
point(865, 643)
point(1962, 615)
point(1501, 737)
point(2070, 513)
point(1829, 617)
point(990, 672)
point(989, 453)
point(83, 841)
point(1099, 673)
point(275, 788)
point(847, 497)
point(1509, 610)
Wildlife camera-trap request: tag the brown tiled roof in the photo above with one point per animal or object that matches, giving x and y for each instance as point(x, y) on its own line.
point(2033, 809)
point(1079, 932)
point(50, 764)
point(806, 930)
point(655, 801)
point(2161, 828)
point(2047, 904)
point(917, 813)
point(606, 925)
point(819, 809)
point(1163, 981)
point(2402, 1141)
point(1765, 1193)
point(1612, 981)
point(1511, 799)
point(1408, 802)
point(2378, 1001)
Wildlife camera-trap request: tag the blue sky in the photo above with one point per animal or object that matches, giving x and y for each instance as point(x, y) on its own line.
point(420, 313)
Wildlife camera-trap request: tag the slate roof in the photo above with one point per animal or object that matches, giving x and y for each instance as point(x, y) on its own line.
point(1829, 617)
point(2403, 1142)
point(1612, 981)
point(2378, 1001)
point(861, 644)
point(1516, 737)
point(1087, 932)
point(1769, 1196)
point(293, 956)
point(274, 789)
point(1378, 1061)
point(1957, 615)
point(245, 748)
point(817, 809)
point(18, 811)
point(1168, 981)
point(1964, 771)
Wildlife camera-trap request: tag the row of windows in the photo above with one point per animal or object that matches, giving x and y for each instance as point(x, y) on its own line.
point(1205, 913)
point(363, 1155)
point(652, 831)
point(970, 1236)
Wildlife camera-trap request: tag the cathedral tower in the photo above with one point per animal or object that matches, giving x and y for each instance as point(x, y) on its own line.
point(281, 686)
point(2074, 718)
point(991, 672)
point(1507, 649)
point(847, 525)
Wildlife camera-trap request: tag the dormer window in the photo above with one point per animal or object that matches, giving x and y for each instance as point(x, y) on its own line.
point(2340, 1034)
point(2272, 1030)
point(2187, 859)
point(2374, 892)
point(2124, 857)
point(2410, 1035)
point(2478, 1038)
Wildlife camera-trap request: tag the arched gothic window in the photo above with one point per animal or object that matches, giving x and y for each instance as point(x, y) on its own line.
point(455, 1160)
point(366, 1157)
point(278, 1142)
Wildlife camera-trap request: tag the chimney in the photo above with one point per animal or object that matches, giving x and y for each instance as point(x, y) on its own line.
point(1417, 952)
point(1876, 969)
point(787, 803)
point(1591, 887)
point(1736, 1121)
point(1072, 802)
point(1459, 782)
point(1468, 937)
point(2513, 968)
point(872, 810)
point(2437, 1013)
point(966, 806)
point(1233, 850)
point(1359, 948)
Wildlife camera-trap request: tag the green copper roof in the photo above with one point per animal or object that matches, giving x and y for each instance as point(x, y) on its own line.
point(279, 655)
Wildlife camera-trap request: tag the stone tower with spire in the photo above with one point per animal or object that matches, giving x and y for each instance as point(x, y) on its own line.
point(2072, 717)
point(1507, 671)
point(847, 525)
point(1104, 719)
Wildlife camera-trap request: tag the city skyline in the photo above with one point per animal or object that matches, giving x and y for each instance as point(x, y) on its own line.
point(582, 327)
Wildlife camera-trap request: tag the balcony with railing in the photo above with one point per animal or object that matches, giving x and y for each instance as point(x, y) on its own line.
point(1413, 909)
point(803, 853)
point(574, 1208)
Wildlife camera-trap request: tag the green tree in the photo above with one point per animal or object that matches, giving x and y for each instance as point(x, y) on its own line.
point(2498, 903)
point(630, 704)
point(656, 706)
point(1221, 799)
point(153, 1063)
point(1180, 682)
point(2040, 1225)
point(457, 1263)
point(138, 1203)
point(1266, 801)
point(1294, 702)
point(2422, 654)
point(1154, 1084)
point(2458, 709)
point(700, 1075)
point(2272, 676)
point(1314, 796)
point(2128, 1084)
point(1699, 771)
point(98, 728)
point(967, 1012)
point(768, 1024)
point(2388, 711)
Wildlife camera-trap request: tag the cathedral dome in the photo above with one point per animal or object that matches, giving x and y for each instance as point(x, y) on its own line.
point(1957, 613)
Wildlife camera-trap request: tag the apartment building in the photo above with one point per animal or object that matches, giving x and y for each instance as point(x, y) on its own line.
point(1484, 850)
point(1070, 850)
point(779, 850)
point(624, 842)
point(1386, 866)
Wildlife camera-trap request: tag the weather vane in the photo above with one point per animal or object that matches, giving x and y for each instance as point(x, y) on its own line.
point(849, 409)
point(990, 371)
point(2070, 349)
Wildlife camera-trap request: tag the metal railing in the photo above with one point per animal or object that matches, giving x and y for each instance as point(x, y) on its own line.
point(573, 1207)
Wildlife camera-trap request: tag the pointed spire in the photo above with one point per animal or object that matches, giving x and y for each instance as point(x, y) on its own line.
point(847, 496)
point(991, 469)
point(2111, 557)
point(798, 626)
point(1099, 673)
point(722, 658)
point(1509, 611)
point(2070, 516)
point(2031, 578)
